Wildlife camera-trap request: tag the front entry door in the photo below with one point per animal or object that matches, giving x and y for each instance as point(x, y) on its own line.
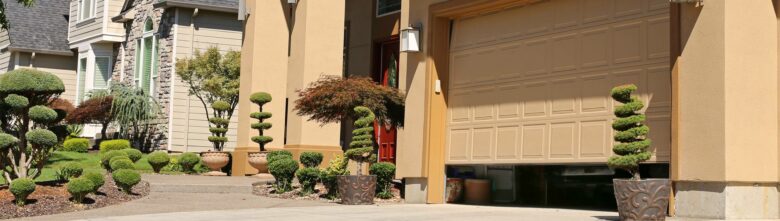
point(388, 69)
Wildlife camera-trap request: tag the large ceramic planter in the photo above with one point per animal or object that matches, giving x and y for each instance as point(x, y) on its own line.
point(215, 161)
point(259, 161)
point(642, 199)
point(357, 190)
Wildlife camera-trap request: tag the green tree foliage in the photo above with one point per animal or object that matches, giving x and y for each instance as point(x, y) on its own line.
point(136, 113)
point(362, 146)
point(630, 132)
point(26, 140)
point(22, 188)
point(212, 77)
point(336, 167)
point(311, 159)
point(95, 110)
point(308, 178)
point(219, 124)
point(3, 20)
point(385, 172)
point(261, 98)
point(283, 171)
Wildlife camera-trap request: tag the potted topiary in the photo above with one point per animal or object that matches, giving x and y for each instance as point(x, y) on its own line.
point(359, 189)
point(259, 160)
point(216, 159)
point(637, 199)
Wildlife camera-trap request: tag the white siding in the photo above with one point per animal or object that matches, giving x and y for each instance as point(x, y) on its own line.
point(80, 30)
point(114, 8)
point(62, 66)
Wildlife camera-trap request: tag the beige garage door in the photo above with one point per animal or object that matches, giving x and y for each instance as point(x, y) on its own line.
point(531, 84)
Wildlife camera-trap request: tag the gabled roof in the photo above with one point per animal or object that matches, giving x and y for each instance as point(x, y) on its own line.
point(42, 28)
point(216, 5)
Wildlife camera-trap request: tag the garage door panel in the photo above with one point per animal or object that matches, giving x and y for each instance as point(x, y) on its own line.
point(534, 99)
point(596, 10)
point(483, 144)
point(459, 144)
point(627, 42)
point(507, 145)
point(661, 146)
point(567, 13)
point(509, 106)
point(566, 51)
point(658, 81)
point(594, 139)
point(595, 47)
point(534, 141)
point(627, 7)
point(562, 140)
point(657, 37)
point(536, 57)
point(564, 97)
point(593, 94)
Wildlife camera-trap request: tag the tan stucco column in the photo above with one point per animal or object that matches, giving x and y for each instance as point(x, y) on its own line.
point(263, 68)
point(726, 163)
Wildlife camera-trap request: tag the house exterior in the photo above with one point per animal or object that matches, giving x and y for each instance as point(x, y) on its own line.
point(137, 42)
point(37, 38)
point(516, 91)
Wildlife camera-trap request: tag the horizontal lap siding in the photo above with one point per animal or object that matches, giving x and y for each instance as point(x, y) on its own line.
point(82, 30)
point(114, 8)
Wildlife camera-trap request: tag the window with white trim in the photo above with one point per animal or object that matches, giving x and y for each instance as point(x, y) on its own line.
point(146, 59)
point(386, 7)
point(102, 76)
point(82, 80)
point(86, 9)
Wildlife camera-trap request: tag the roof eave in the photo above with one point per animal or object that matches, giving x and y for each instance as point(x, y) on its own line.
point(42, 51)
point(170, 4)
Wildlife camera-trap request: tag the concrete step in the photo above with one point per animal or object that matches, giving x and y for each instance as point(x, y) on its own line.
point(201, 184)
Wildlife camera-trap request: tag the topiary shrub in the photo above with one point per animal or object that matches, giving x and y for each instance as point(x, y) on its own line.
point(385, 172)
point(158, 160)
point(283, 170)
point(133, 154)
point(79, 145)
point(362, 146)
point(79, 188)
point(336, 167)
point(308, 178)
point(278, 154)
point(69, 171)
point(261, 98)
point(219, 124)
point(119, 163)
point(97, 180)
point(311, 159)
point(188, 161)
point(110, 145)
point(126, 179)
point(105, 159)
point(630, 132)
point(21, 188)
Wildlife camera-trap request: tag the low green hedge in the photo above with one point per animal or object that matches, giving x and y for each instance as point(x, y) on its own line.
point(109, 145)
point(79, 145)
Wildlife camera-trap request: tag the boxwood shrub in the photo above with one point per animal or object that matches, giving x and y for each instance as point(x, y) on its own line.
point(105, 159)
point(308, 178)
point(79, 188)
point(158, 160)
point(133, 154)
point(283, 170)
point(109, 145)
point(97, 180)
point(119, 163)
point(69, 171)
point(277, 154)
point(188, 161)
point(311, 159)
point(22, 188)
point(384, 179)
point(79, 145)
point(126, 179)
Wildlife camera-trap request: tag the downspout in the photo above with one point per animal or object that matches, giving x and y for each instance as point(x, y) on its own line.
point(192, 52)
point(32, 58)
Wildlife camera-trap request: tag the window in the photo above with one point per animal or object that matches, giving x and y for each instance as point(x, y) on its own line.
point(102, 74)
point(82, 80)
point(386, 7)
point(146, 55)
point(86, 9)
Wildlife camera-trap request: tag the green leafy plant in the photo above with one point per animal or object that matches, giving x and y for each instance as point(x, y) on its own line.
point(136, 113)
point(105, 159)
point(278, 154)
point(220, 123)
point(79, 145)
point(111, 145)
point(119, 163)
point(308, 178)
point(96, 110)
point(69, 171)
point(188, 161)
point(283, 170)
point(26, 141)
point(384, 173)
point(75, 130)
point(261, 98)
point(133, 154)
point(158, 160)
point(630, 132)
point(362, 147)
point(79, 188)
point(126, 179)
point(21, 188)
point(336, 167)
point(311, 159)
point(97, 180)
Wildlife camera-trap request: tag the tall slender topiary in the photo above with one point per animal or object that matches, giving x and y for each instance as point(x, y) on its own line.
point(261, 98)
point(631, 133)
point(219, 124)
point(362, 146)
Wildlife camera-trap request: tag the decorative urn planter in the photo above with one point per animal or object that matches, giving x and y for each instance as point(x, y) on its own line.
point(215, 160)
point(259, 161)
point(642, 199)
point(357, 190)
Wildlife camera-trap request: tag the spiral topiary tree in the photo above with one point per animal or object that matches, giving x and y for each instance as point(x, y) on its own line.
point(631, 133)
point(26, 141)
point(362, 146)
point(261, 98)
point(219, 124)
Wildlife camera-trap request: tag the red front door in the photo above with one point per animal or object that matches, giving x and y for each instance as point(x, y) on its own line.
point(388, 69)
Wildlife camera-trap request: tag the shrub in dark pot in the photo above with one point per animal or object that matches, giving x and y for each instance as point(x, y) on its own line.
point(359, 189)
point(637, 199)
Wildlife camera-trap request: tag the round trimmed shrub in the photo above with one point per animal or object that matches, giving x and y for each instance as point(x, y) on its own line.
point(105, 159)
point(385, 172)
point(109, 145)
point(311, 159)
point(22, 188)
point(79, 188)
point(188, 161)
point(308, 178)
point(69, 171)
point(278, 154)
point(158, 160)
point(16, 101)
point(7, 140)
point(30, 81)
point(283, 170)
point(134, 154)
point(260, 98)
point(97, 180)
point(126, 179)
point(220, 105)
point(79, 145)
point(42, 137)
point(119, 163)
point(42, 114)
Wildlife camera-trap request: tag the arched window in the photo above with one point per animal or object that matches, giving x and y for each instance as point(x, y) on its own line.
point(146, 60)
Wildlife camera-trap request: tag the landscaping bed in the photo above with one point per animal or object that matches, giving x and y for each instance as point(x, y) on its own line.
point(267, 190)
point(53, 198)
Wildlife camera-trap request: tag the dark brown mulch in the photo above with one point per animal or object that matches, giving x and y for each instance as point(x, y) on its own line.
point(54, 198)
point(267, 190)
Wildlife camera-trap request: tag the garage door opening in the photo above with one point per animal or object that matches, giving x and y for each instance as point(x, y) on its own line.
point(556, 186)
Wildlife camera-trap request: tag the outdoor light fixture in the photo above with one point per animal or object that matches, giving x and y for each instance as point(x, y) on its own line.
point(410, 39)
point(698, 3)
point(292, 1)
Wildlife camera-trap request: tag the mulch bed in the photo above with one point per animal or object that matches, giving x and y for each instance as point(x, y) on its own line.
point(267, 190)
point(53, 198)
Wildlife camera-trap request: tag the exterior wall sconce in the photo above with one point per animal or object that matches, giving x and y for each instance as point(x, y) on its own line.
point(292, 1)
point(698, 3)
point(410, 39)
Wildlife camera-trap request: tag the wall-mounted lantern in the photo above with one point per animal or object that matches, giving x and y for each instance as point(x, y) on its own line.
point(292, 1)
point(410, 39)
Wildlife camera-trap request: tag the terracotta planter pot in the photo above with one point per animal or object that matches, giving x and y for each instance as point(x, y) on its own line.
point(454, 190)
point(259, 161)
point(215, 161)
point(642, 199)
point(477, 191)
point(357, 190)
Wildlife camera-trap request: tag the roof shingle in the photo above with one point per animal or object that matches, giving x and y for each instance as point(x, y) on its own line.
point(40, 28)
